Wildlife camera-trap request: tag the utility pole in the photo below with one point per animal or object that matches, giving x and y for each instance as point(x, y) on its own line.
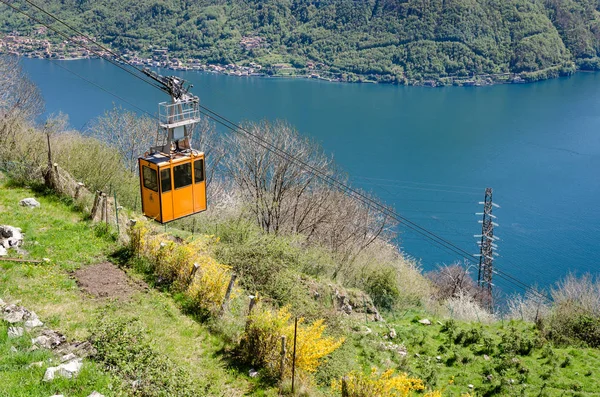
point(487, 248)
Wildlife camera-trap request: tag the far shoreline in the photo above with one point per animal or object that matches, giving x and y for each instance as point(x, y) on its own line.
point(483, 80)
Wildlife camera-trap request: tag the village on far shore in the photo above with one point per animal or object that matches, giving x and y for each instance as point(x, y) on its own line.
point(38, 45)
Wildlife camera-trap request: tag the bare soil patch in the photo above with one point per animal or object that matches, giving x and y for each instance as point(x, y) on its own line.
point(106, 280)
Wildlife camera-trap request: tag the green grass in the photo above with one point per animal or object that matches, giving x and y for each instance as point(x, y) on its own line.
point(58, 232)
point(447, 356)
point(544, 370)
point(18, 379)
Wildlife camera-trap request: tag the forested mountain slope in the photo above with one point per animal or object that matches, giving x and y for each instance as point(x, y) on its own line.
point(392, 40)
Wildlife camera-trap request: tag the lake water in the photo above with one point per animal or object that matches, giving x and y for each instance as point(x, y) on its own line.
point(428, 152)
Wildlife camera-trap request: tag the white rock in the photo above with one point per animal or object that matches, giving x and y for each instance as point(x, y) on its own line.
point(10, 237)
point(38, 364)
point(30, 202)
point(68, 357)
point(13, 349)
point(50, 374)
point(67, 370)
point(14, 317)
point(33, 323)
point(470, 386)
point(71, 368)
point(253, 373)
point(425, 321)
point(392, 333)
point(15, 332)
point(96, 394)
point(46, 260)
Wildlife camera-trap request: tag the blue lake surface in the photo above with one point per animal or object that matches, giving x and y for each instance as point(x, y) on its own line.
point(428, 152)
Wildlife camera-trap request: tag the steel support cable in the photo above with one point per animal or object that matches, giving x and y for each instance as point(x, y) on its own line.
point(371, 203)
point(70, 39)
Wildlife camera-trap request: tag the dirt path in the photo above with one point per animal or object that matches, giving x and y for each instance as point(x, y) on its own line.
point(106, 280)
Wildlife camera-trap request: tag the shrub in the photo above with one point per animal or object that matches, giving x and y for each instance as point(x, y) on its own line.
point(185, 265)
point(385, 384)
point(382, 287)
point(464, 307)
point(124, 349)
point(575, 316)
point(261, 342)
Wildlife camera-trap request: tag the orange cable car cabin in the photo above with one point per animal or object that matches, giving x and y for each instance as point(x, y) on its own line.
point(172, 176)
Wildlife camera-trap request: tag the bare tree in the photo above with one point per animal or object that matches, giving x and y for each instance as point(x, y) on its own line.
point(290, 193)
point(130, 134)
point(278, 189)
point(20, 103)
point(455, 279)
point(19, 96)
point(206, 139)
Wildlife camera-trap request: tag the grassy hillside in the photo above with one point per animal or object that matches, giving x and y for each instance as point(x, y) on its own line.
point(499, 358)
point(388, 40)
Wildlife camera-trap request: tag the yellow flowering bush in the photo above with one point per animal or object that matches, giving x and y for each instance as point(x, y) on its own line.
point(186, 265)
point(385, 384)
point(261, 343)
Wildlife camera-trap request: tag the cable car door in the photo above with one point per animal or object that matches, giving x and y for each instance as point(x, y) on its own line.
point(149, 187)
point(183, 194)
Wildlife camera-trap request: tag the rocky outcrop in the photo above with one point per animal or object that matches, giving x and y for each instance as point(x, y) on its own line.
point(25, 322)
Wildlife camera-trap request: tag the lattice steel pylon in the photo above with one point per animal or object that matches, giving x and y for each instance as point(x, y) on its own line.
point(487, 249)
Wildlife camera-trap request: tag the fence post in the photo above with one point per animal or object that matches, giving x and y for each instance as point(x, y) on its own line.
point(117, 214)
point(95, 207)
point(294, 354)
point(78, 190)
point(194, 270)
point(345, 387)
point(282, 359)
point(228, 293)
point(253, 300)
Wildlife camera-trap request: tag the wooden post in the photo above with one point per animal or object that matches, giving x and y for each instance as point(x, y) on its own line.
point(96, 205)
point(294, 354)
point(345, 387)
point(117, 214)
point(105, 208)
point(78, 190)
point(253, 300)
point(228, 293)
point(282, 359)
point(103, 216)
point(194, 270)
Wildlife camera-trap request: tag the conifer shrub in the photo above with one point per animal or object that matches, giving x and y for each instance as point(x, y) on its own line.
point(261, 343)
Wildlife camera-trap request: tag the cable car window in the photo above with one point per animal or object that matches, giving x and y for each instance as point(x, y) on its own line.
point(199, 171)
point(165, 180)
point(150, 178)
point(182, 175)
